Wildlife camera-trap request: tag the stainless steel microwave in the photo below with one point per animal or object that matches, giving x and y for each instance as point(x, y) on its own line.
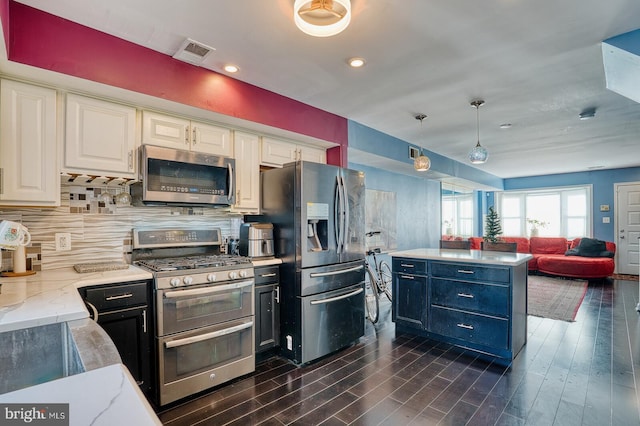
point(173, 176)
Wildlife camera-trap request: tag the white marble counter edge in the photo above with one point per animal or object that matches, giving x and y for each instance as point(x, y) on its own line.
point(467, 256)
point(266, 262)
point(107, 395)
point(52, 297)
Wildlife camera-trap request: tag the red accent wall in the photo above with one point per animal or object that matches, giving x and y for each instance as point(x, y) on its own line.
point(46, 41)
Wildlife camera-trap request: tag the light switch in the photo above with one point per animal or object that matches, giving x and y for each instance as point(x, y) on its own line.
point(606, 219)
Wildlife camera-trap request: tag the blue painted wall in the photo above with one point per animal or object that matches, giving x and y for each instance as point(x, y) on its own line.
point(602, 182)
point(373, 141)
point(417, 205)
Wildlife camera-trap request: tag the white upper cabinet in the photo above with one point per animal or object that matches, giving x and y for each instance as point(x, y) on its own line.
point(276, 152)
point(247, 156)
point(180, 133)
point(28, 146)
point(100, 138)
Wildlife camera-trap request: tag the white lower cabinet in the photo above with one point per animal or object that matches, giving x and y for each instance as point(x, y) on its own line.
point(247, 156)
point(276, 152)
point(100, 138)
point(28, 146)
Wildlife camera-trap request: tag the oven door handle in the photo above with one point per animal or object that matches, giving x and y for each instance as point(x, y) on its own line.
point(207, 290)
point(341, 271)
point(334, 299)
point(207, 336)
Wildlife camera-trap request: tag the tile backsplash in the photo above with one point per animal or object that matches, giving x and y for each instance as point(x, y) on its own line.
point(99, 232)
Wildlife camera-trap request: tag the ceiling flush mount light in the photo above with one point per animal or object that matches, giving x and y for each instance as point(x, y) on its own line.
point(478, 155)
point(421, 162)
point(322, 18)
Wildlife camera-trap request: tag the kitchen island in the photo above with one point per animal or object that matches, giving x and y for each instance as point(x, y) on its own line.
point(470, 298)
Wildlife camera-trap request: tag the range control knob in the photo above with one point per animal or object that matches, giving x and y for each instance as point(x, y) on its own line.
point(243, 273)
point(233, 275)
point(187, 280)
point(211, 278)
point(175, 282)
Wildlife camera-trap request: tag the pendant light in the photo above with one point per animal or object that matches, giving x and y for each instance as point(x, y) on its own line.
point(478, 155)
point(421, 162)
point(322, 18)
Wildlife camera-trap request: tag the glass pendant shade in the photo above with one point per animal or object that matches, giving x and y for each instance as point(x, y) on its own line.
point(478, 154)
point(422, 163)
point(322, 18)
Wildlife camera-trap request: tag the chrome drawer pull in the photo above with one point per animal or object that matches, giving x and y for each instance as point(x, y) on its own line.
point(407, 277)
point(207, 336)
point(465, 271)
point(334, 299)
point(468, 327)
point(338, 272)
point(207, 290)
point(273, 274)
point(468, 296)
point(120, 296)
point(405, 265)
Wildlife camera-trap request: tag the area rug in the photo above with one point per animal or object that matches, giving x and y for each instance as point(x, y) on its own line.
point(555, 298)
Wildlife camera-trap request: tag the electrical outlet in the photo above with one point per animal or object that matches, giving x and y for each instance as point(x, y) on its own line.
point(63, 241)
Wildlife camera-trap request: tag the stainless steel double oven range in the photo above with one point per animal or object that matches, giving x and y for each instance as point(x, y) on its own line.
point(204, 309)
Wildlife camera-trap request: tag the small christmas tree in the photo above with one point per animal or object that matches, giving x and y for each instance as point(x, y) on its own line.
point(492, 227)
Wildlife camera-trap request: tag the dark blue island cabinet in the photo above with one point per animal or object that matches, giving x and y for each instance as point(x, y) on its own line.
point(470, 298)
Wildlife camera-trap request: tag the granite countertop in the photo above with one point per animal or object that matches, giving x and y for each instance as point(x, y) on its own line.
point(467, 256)
point(105, 396)
point(52, 296)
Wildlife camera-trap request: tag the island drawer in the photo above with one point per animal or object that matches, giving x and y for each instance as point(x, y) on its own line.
point(470, 272)
point(484, 298)
point(265, 275)
point(117, 296)
point(409, 266)
point(485, 330)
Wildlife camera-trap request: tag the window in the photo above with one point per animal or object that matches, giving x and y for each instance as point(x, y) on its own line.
point(553, 212)
point(457, 212)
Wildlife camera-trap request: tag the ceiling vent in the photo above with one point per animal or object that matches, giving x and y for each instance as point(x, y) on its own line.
point(193, 52)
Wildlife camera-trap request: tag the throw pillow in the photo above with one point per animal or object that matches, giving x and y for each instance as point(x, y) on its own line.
point(589, 247)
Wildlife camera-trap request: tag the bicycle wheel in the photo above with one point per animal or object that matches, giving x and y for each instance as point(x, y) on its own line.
point(385, 279)
point(371, 298)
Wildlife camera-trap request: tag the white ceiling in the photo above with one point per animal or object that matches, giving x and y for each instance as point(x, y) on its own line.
point(537, 65)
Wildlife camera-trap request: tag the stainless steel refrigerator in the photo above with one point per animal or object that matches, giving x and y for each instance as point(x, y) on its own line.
point(318, 215)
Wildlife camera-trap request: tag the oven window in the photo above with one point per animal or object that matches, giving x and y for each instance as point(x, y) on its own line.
point(174, 176)
point(201, 306)
point(191, 353)
point(210, 353)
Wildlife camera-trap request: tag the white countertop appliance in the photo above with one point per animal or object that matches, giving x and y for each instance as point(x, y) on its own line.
point(204, 304)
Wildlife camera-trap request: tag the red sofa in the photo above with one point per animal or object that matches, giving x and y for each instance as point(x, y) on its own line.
point(549, 256)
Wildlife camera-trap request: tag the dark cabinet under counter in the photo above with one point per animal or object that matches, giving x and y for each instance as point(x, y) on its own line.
point(267, 310)
point(468, 298)
point(123, 310)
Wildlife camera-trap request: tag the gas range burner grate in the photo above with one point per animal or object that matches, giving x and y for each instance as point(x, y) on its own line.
point(193, 262)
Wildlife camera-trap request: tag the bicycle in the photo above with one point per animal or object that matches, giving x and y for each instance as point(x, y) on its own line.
point(379, 274)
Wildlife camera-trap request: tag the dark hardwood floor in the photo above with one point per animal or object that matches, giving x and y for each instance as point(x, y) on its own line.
point(580, 373)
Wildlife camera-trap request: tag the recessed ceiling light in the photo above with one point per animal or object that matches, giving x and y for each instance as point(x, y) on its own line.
point(505, 126)
point(356, 62)
point(231, 68)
